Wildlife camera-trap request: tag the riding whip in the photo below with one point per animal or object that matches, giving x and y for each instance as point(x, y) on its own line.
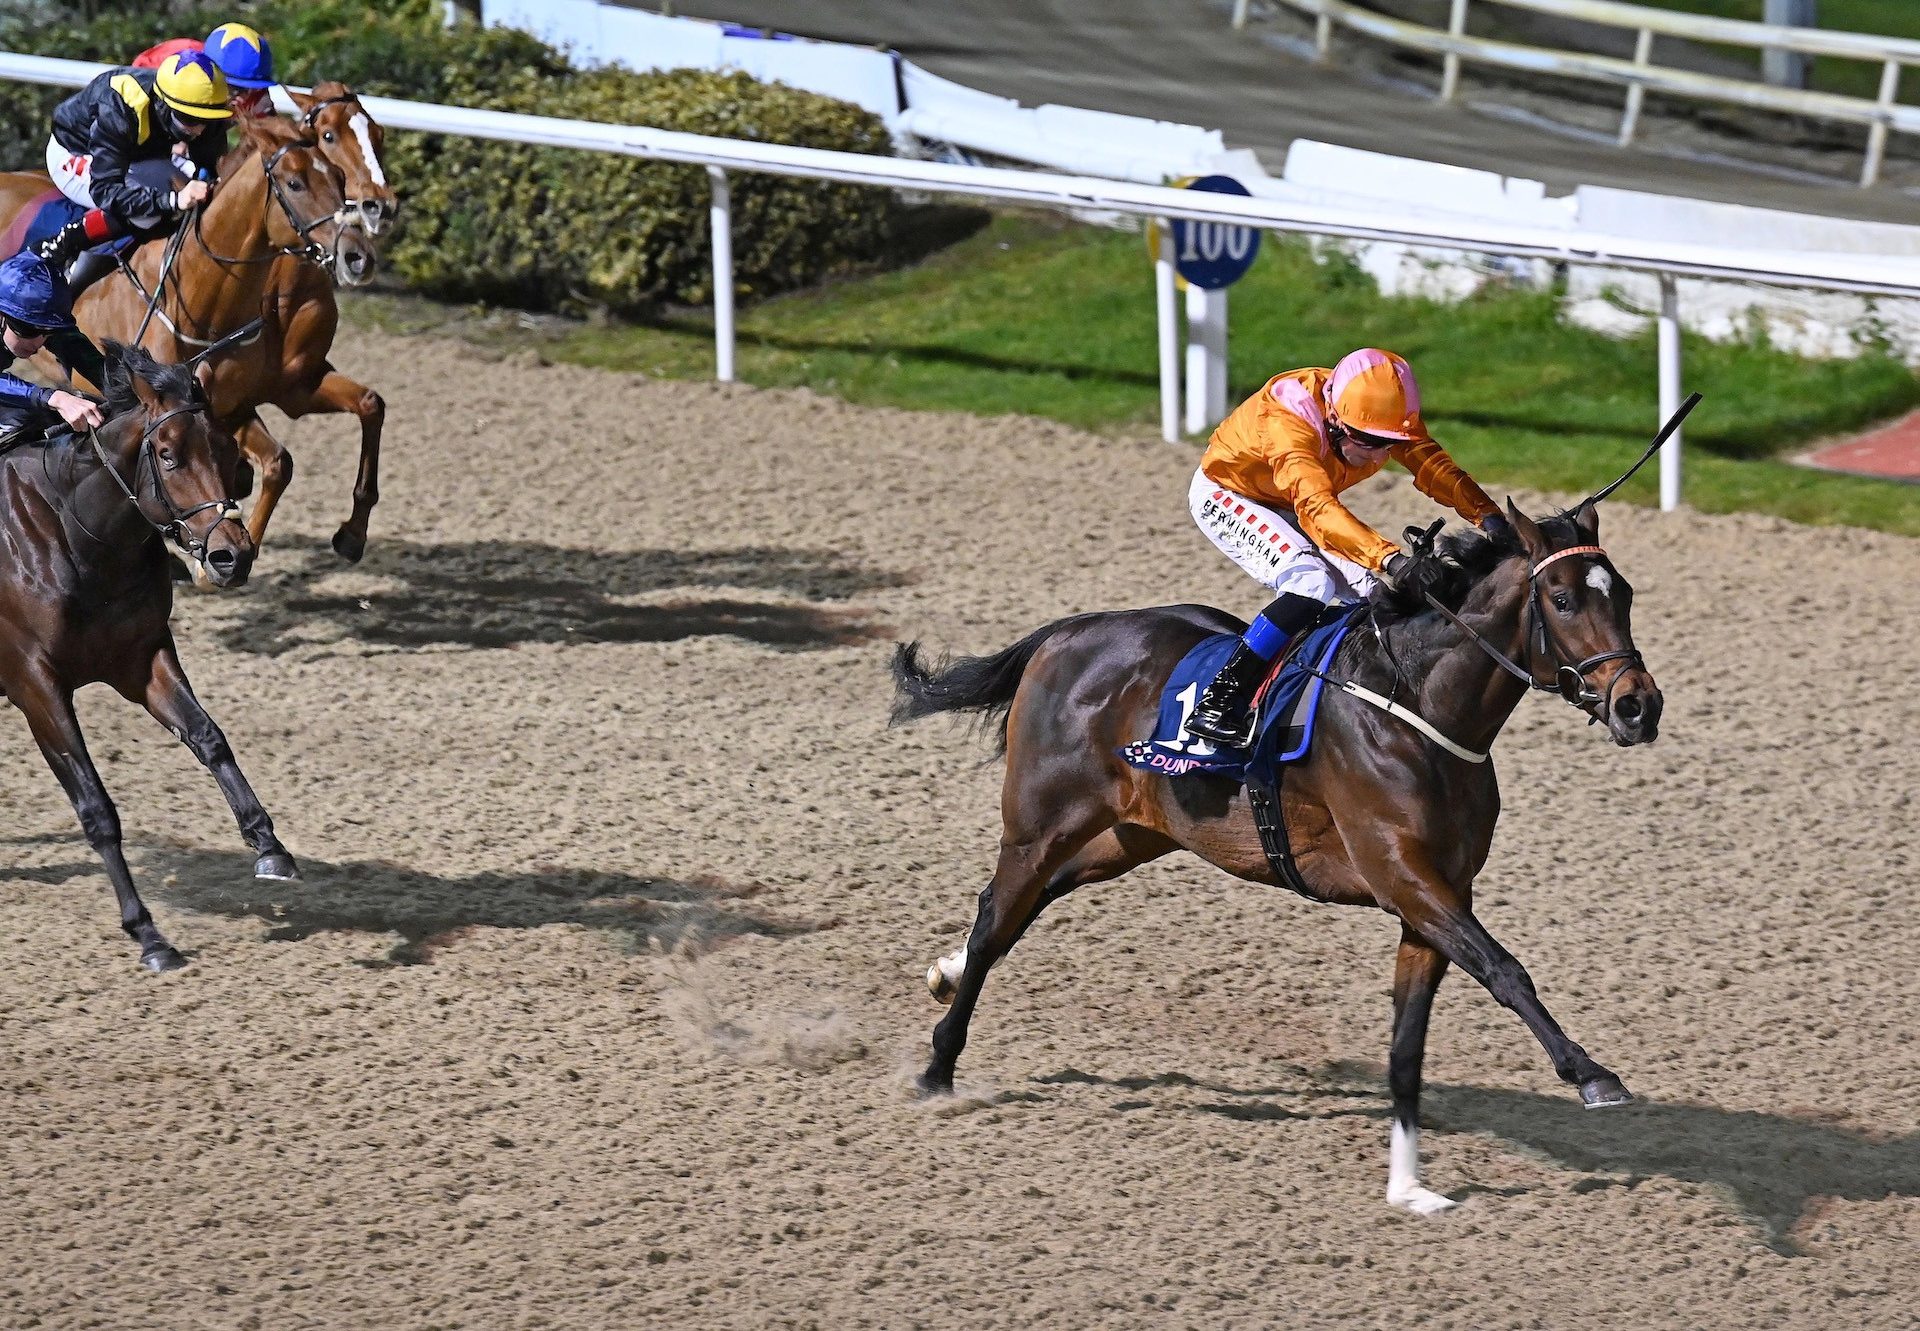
point(1666, 433)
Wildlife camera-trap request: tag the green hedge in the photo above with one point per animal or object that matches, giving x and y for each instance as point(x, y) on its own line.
point(540, 227)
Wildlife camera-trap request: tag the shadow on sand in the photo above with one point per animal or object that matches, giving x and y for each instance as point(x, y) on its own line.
point(1771, 1166)
point(428, 911)
point(481, 594)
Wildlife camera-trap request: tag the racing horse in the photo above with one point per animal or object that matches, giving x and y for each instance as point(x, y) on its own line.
point(1378, 814)
point(200, 294)
point(288, 366)
point(85, 597)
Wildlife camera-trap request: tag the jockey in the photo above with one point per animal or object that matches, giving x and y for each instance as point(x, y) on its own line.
point(1268, 494)
point(112, 152)
point(35, 313)
point(237, 51)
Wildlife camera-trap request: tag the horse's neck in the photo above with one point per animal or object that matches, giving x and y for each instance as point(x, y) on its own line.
point(1462, 690)
point(210, 296)
point(105, 533)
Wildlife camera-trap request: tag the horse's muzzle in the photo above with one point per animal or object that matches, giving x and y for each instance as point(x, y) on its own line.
point(1633, 711)
point(229, 555)
point(376, 215)
point(354, 258)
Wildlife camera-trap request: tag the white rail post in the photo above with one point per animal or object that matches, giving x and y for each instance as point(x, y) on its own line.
point(1239, 14)
point(1206, 357)
point(1322, 35)
point(722, 227)
point(1636, 92)
point(1169, 321)
point(1456, 27)
point(1877, 132)
point(1669, 390)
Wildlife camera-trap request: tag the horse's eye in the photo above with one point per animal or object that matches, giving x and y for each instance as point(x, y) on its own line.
point(1562, 602)
point(297, 185)
point(328, 136)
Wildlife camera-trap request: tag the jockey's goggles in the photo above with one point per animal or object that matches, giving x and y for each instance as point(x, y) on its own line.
point(25, 330)
point(1372, 443)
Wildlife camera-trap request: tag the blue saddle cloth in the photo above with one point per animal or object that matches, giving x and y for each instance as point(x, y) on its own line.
point(1288, 705)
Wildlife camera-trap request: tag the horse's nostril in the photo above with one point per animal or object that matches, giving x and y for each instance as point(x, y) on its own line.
point(222, 561)
point(1628, 708)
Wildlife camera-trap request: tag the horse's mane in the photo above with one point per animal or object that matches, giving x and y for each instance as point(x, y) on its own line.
point(125, 364)
point(1457, 563)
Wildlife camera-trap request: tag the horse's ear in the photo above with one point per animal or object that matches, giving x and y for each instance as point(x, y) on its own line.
point(147, 395)
point(300, 99)
point(1587, 519)
point(1527, 529)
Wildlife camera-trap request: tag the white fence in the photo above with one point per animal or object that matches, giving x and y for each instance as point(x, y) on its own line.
point(1666, 259)
point(1639, 75)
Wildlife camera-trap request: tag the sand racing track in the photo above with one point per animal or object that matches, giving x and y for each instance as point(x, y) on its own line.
point(599, 1004)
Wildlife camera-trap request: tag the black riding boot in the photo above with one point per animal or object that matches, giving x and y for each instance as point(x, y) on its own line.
point(90, 267)
point(65, 245)
point(1224, 713)
point(71, 245)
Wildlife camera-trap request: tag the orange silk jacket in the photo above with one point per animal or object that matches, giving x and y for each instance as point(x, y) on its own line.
point(1274, 448)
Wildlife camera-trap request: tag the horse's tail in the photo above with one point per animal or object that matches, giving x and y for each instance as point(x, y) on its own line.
point(983, 684)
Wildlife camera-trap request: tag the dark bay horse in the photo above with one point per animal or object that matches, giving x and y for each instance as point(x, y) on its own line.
point(85, 597)
point(1378, 814)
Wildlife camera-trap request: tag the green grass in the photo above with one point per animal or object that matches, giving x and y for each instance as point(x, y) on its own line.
point(1049, 318)
point(1887, 18)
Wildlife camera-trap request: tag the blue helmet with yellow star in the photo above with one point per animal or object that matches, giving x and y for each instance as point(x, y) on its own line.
point(242, 54)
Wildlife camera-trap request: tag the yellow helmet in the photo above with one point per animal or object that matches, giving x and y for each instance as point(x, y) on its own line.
point(193, 85)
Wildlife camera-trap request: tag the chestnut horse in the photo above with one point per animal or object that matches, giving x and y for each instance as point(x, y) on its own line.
point(288, 367)
point(1378, 814)
point(85, 597)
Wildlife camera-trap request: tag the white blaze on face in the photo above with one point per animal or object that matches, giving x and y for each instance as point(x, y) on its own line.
point(1600, 580)
point(359, 126)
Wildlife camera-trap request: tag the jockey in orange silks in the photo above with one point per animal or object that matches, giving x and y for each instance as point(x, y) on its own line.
point(1268, 494)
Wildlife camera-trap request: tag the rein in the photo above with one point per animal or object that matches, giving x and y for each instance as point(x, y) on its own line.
point(175, 527)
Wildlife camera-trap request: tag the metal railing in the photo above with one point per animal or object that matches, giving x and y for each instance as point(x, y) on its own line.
point(1640, 75)
point(1864, 274)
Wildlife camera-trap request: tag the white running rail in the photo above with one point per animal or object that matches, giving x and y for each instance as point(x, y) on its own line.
point(1868, 274)
point(1640, 74)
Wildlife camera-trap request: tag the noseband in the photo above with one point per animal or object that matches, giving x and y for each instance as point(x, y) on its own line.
point(175, 527)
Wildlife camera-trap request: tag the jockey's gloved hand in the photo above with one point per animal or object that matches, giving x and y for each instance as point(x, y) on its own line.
point(1495, 524)
point(1398, 565)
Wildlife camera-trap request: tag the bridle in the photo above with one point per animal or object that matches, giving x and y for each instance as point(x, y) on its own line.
point(1569, 681)
point(308, 248)
point(175, 528)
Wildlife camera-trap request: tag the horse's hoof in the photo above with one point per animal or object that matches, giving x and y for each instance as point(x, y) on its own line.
point(1604, 1092)
point(1420, 1201)
point(161, 959)
point(278, 866)
point(939, 985)
point(349, 545)
point(931, 1084)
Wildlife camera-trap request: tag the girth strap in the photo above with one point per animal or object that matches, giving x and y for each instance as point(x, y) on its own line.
point(1272, 826)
